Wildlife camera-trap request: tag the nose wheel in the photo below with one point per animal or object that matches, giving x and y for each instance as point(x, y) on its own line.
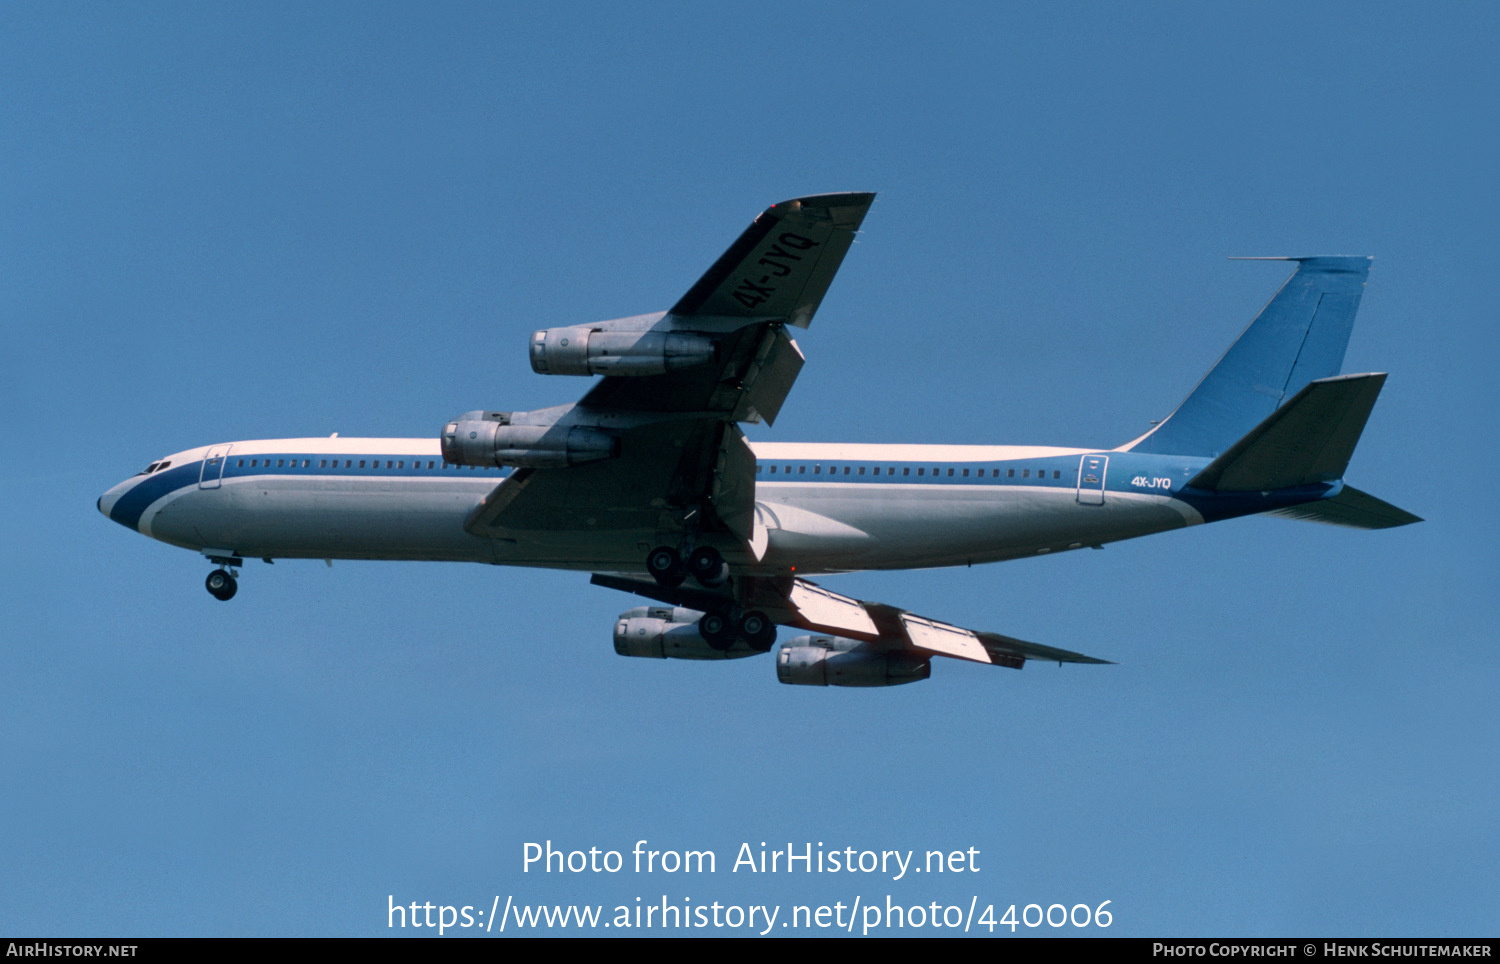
point(221, 584)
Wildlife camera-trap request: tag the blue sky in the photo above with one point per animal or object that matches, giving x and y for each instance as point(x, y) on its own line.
point(225, 222)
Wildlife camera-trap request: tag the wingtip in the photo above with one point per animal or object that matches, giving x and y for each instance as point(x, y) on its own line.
point(845, 209)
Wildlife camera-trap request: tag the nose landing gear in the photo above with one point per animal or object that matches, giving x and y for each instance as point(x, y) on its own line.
point(221, 584)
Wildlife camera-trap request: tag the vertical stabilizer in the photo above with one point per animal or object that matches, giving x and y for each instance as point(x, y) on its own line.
point(1298, 337)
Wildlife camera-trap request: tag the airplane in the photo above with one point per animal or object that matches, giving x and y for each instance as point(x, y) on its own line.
point(649, 483)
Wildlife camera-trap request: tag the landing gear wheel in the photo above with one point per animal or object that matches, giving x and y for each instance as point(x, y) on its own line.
point(708, 567)
point(221, 585)
point(665, 566)
point(716, 630)
point(758, 630)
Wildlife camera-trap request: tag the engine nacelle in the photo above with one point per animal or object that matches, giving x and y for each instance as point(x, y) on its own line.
point(590, 351)
point(490, 438)
point(662, 632)
point(835, 661)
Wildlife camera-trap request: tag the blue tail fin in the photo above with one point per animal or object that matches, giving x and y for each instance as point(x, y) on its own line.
point(1298, 337)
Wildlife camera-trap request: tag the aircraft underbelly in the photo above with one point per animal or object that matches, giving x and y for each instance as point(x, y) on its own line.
point(324, 518)
point(889, 527)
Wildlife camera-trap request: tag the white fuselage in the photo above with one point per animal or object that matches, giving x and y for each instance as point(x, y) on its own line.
point(825, 507)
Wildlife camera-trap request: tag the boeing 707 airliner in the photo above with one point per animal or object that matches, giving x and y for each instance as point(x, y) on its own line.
point(649, 483)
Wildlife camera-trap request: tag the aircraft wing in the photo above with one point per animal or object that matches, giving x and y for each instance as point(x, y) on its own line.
point(774, 275)
point(665, 472)
point(683, 461)
point(806, 605)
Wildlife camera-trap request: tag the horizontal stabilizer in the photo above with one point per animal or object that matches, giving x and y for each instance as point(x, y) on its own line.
point(1352, 508)
point(1307, 440)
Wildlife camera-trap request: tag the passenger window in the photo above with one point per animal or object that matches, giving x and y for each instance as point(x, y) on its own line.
point(1010, 473)
point(877, 470)
point(846, 470)
point(818, 469)
point(966, 472)
point(401, 464)
point(1025, 473)
point(773, 470)
point(757, 470)
point(1057, 473)
point(801, 470)
point(280, 463)
point(920, 471)
point(361, 463)
point(950, 473)
point(906, 471)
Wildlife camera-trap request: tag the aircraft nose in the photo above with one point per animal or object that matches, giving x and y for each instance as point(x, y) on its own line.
point(106, 502)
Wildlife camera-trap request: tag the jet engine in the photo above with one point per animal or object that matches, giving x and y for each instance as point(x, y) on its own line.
point(661, 632)
point(590, 351)
point(835, 661)
point(492, 438)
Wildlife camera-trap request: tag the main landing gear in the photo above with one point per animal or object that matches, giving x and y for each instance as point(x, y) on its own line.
point(755, 628)
point(221, 584)
point(665, 566)
point(719, 629)
point(705, 564)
